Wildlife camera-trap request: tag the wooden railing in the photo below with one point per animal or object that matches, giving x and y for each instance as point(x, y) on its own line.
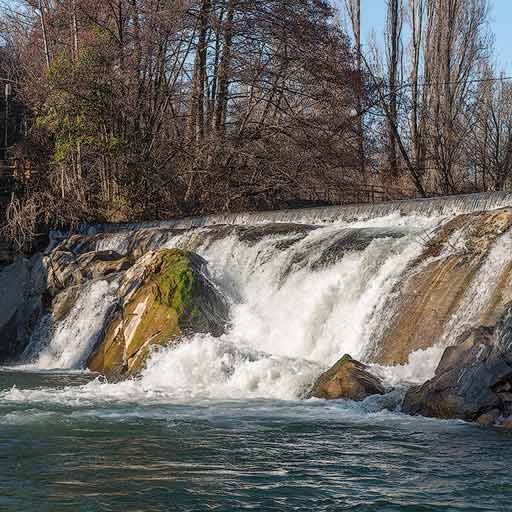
point(363, 194)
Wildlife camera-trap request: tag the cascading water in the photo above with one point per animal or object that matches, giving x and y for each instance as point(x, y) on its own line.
point(74, 338)
point(300, 297)
point(215, 422)
point(299, 301)
point(68, 345)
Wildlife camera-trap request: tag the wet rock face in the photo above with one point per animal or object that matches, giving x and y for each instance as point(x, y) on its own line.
point(253, 234)
point(22, 302)
point(66, 269)
point(352, 240)
point(348, 379)
point(68, 272)
point(430, 294)
point(165, 295)
point(473, 381)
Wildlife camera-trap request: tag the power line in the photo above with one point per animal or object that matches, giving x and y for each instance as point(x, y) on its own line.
point(453, 82)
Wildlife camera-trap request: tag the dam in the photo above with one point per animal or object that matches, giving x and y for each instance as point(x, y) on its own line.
point(285, 295)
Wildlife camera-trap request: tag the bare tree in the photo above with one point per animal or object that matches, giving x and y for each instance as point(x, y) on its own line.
point(353, 8)
point(394, 23)
point(460, 47)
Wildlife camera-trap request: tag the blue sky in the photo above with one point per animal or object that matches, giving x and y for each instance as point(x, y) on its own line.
point(373, 12)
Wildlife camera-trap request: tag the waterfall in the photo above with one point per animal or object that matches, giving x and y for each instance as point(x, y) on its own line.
point(299, 301)
point(73, 339)
point(324, 283)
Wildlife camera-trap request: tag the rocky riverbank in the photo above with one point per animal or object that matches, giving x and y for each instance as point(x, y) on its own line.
point(472, 382)
point(159, 297)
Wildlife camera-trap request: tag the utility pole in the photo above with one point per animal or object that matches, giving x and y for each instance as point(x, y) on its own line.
point(8, 90)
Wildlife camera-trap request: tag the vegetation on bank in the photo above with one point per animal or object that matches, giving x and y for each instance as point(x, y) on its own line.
point(138, 109)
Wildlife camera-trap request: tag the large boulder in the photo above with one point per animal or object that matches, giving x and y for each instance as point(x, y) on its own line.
point(473, 381)
point(22, 302)
point(165, 295)
point(347, 379)
point(426, 300)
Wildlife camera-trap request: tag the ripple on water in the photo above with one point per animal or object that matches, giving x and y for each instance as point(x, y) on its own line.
point(62, 452)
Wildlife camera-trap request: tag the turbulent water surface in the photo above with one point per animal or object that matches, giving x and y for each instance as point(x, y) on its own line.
point(218, 424)
point(93, 447)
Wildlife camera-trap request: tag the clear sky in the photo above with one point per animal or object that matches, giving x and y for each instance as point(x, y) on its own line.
point(373, 13)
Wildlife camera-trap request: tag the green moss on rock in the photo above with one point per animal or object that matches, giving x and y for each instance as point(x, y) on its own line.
point(165, 295)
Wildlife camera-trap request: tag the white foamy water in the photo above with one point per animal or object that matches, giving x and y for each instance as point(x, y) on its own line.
point(75, 337)
point(281, 305)
point(222, 369)
point(420, 367)
point(204, 369)
point(299, 301)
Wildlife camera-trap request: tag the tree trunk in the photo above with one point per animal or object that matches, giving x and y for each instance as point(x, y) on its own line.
point(224, 72)
point(394, 35)
point(197, 110)
point(45, 34)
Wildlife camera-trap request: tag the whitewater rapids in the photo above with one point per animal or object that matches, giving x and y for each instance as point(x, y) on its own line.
point(294, 312)
point(219, 422)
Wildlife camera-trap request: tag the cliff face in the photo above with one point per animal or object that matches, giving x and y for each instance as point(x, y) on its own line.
point(22, 303)
point(449, 286)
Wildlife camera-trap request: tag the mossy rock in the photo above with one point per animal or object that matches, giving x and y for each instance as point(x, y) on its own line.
point(165, 295)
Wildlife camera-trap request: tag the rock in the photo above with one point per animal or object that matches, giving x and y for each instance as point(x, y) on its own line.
point(165, 295)
point(352, 240)
point(100, 264)
point(143, 241)
point(251, 235)
point(78, 244)
point(507, 423)
point(436, 282)
point(22, 302)
point(65, 269)
point(68, 272)
point(489, 418)
point(285, 234)
point(473, 379)
point(347, 379)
